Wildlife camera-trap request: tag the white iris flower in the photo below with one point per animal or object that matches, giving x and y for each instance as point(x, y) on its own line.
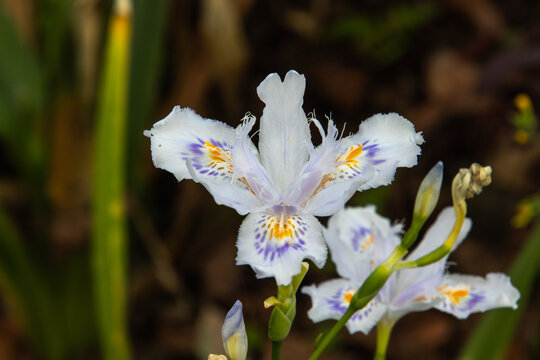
point(288, 181)
point(360, 239)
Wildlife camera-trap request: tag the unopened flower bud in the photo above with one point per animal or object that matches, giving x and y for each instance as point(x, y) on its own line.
point(428, 193)
point(233, 333)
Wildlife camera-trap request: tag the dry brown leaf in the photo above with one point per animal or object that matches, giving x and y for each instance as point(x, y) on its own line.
point(69, 181)
point(484, 15)
point(22, 13)
point(87, 29)
point(451, 81)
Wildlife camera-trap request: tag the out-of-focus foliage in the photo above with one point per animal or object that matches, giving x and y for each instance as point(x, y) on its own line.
point(21, 99)
point(387, 37)
point(29, 289)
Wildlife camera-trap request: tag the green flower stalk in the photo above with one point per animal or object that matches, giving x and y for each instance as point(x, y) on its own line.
point(466, 184)
point(384, 329)
point(426, 199)
point(284, 311)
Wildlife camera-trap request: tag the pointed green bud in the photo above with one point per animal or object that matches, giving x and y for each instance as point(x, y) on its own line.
point(280, 322)
point(428, 193)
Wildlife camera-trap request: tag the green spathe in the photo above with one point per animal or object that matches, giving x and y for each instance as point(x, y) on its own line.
point(284, 307)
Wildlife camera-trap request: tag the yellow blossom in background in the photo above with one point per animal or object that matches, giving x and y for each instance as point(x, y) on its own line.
point(524, 121)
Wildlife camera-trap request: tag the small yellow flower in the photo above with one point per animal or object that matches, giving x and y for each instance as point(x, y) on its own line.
point(526, 211)
point(522, 102)
point(521, 137)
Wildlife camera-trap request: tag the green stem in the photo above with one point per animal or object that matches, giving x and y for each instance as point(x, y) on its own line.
point(325, 341)
point(442, 250)
point(412, 234)
point(384, 329)
point(276, 350)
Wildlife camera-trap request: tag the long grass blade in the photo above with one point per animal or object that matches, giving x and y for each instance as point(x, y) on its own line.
point(109, 238)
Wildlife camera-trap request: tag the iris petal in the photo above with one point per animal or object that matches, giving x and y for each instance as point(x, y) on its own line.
point(275, 245)
point(464, 294)
point(284, 139)
point(182, 136)
point(338, 168)
point(389, 141)
point(192, 147)
point(330, 300)
point(359, 239)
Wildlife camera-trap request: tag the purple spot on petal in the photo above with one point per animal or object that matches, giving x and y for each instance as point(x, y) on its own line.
point(359, 234)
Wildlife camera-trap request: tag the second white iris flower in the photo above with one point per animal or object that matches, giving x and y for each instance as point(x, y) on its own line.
point(360, 239)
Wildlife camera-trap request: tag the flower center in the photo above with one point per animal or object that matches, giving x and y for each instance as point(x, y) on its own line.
point(345, 161)
point(348, 296)
point(348, 157)
point(367, 243)
point(362, 238)
point(221, 160)
point(280, 229)
point(454, 293)
point(218, 156)
point(275, 235)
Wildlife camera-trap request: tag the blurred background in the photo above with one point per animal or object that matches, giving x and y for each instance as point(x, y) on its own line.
point(102, 256)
